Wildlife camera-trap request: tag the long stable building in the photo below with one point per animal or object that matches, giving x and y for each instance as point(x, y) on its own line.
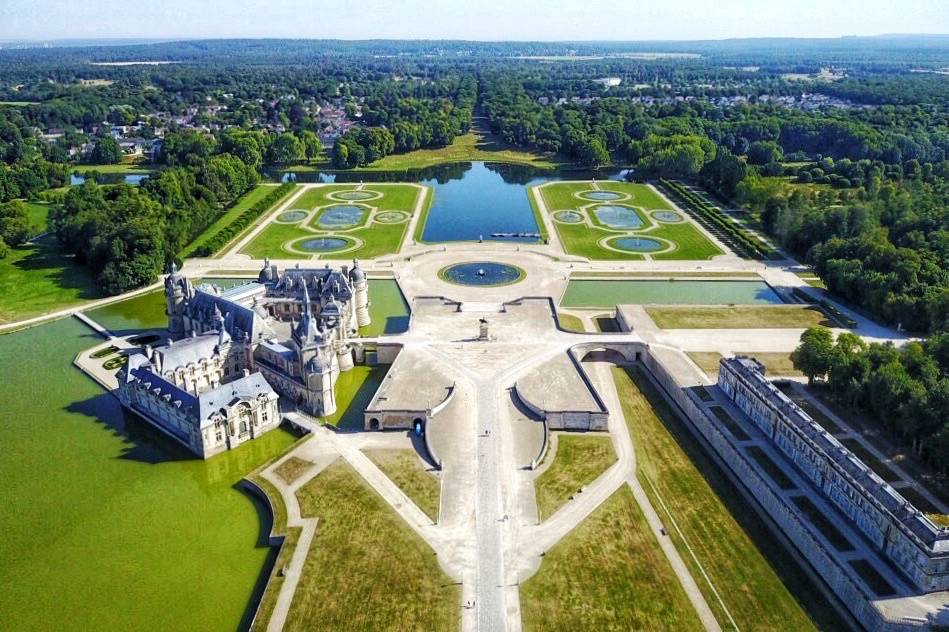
point(899, 531)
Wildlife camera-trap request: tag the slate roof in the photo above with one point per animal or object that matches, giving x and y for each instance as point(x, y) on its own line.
point(841, 458)
point(247, 387)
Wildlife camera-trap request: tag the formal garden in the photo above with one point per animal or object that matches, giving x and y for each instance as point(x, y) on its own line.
point(621, 220)
point(340, 220)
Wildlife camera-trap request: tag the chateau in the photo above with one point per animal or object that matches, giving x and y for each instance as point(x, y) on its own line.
point(216, 383)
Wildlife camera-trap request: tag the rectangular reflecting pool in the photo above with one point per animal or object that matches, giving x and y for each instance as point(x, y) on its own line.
point(608, 293)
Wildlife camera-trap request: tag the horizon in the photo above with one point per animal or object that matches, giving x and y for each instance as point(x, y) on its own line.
point(492, 21)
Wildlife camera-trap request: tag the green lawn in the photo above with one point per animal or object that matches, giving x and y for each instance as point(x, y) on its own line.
point(607, 574)
point(759, 582)
point(579, 460)
point(737, 317)
point(584, 240)
point(406, 469)
point(38, 213)
point(470, 147)
point(571, 323)
point(366, 568)
point(776, 363)
point(249, 199)
point(125, 168)
point(35, 279)
point(378, 238)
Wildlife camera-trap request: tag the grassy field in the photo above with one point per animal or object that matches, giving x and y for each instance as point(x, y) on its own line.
point(291, 469)
point(38, 214)
point(476, 145)
point(571, 322)
point(737, 317)
point(378, 238)
point(760, 585)
point(366, 569)
point(607, 574)
point(584, 240)
point(578, 461)
point(406, 469)
point(776, 363)
point(125, 168)
point(245, 202)
point(35, 279)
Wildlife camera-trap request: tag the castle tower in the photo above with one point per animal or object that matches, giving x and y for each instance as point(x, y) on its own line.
point(178, 292)
point(360, 294)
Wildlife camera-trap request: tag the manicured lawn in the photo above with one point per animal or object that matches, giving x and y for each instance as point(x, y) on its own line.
point(579, 460)
point(584, 240)
point(737, 317)
point(776, 363)
point(127, 168)
point(35, 279)
point(571, 322)
point(469, 147)
point(354, 391)
point(38, 213)
point(291, 469)
point(249, 199)
point(406, 469)
point(607, 574)
point(758, 581)
point(366, 568)
point(378, 238)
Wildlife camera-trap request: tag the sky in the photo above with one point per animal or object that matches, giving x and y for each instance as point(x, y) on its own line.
point(468, 19)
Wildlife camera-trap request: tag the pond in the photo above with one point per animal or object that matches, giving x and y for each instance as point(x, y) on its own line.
point(667, 216)
point(471, 200)
point(292, 216)
point(341, 216)
point(388, 309)
point(110, 178)
point(609, 293)
point(637, 244)
point(321, 244)
point(568, 217)
point(481, 273)
point(355, 195)
point(600, 196)
point(114, 524)
point(616, 216)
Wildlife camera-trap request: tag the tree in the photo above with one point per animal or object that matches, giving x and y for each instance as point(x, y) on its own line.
point(286, 148)
point(106, 152)
point(814, 355)
point(15, 224)
point(312, 147)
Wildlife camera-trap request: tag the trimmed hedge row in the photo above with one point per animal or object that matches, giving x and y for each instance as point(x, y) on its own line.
point(713, 218)
point(841, 318)
point(220, 239)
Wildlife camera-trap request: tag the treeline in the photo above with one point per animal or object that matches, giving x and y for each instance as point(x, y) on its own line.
point(905, 392)
point(127, 235)
point(397, 123)
point(884, 249)
point(220, 239)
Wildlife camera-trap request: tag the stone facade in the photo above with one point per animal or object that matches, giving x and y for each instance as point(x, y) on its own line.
point(903, 534)
point(236, 349)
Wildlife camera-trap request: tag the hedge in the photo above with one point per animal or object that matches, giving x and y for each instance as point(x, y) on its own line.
point(221, 238)
point(712, 217)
